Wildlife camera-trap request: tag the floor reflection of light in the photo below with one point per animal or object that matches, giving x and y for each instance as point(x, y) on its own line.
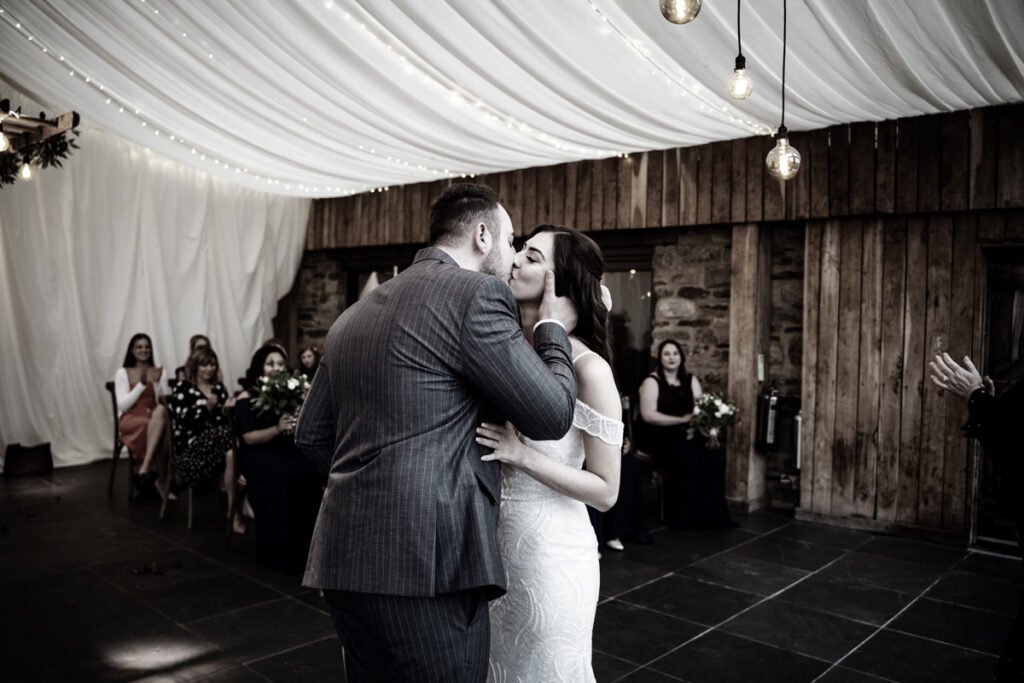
point(155, 653)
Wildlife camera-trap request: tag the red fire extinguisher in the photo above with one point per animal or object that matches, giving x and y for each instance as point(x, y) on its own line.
point(767, 408)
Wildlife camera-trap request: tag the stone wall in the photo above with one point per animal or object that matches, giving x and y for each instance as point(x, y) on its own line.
point(785, 354)
point(321, 287)
point(691, 287)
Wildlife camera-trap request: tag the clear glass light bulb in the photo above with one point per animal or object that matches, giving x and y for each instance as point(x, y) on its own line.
point(5, 144)
point(26, 172)
point(740, 85)
point(680, 11)
point(783, 160)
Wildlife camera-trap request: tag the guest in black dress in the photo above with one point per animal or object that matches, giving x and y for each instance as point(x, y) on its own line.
point(283, 487)
point(694, 475)
point(204, 443)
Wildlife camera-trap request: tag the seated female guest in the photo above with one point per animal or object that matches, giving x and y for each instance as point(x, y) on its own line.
point(203, 439)
point(194, 342)
point(283, 487)
point(309, 361)
point(694, 474)
point(137, 384)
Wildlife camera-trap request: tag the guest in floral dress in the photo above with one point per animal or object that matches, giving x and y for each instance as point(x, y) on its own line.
point(204, 442)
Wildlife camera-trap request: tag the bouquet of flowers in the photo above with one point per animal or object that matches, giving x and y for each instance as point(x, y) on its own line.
point(281, 393)
point(711, 414)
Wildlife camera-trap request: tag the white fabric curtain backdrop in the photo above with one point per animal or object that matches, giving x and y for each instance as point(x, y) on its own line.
point(122, 240)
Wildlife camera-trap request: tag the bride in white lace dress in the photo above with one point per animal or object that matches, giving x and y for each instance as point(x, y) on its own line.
point(541, 628)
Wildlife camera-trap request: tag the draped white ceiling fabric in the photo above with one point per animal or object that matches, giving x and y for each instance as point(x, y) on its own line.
point(331, 97)
point(123, 240)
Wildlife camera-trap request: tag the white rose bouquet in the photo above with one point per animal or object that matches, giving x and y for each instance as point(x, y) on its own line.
point(711, 415)
point(281, 393)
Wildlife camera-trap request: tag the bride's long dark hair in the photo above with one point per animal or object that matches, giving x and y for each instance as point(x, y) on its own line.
point(579, 266)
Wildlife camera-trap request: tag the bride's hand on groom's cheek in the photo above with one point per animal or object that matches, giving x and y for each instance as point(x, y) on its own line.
point(503, 440)
point(554, 307)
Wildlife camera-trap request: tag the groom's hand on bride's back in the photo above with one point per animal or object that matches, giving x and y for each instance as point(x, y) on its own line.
point(554, 307)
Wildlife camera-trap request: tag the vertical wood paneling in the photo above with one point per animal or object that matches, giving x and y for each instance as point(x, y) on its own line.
point(870, 380)
point(933, 422)
point(705, 176)
point(825, 392)
point(774, 198)
point(558, 194)
point(862, 168)
point(755, 177)
point(639, 178)
point(584, 194)
point(688, 162)
point(738, 180)
point(798, 192)
point(516, 202)
point(844, 462)
point(885, 167)
point(809, 364)
point(894, 290)
point(597, 193)
point(624, 192)
point(984, 157)
point(913, 370)
point(961, 338)
point(1015, 226)
point(839, 170)
point(906, 165)
point(956, 160)
point(929, 162)
point(670, 188)
point(571, 181)
point(1010, 164)
point(610, 173)
point(544, 190)
point(721, 183)
point(819, 156)
point(991, 227)
point(654, 212)
point(530, 209)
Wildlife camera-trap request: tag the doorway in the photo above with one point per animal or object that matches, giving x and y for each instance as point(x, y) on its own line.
point(995, 505)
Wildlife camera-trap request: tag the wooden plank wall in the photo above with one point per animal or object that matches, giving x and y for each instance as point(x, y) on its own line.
point(860, 169)
point(883, 295)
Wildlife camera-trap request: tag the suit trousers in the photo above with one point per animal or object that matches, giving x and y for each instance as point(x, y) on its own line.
point(387, 638)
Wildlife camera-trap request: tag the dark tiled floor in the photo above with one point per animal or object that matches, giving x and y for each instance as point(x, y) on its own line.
point(774, 600)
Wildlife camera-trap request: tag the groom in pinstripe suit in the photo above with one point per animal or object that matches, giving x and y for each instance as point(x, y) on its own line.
point(404, 547)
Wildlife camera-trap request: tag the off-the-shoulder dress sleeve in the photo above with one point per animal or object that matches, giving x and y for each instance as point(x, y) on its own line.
point(594, 423)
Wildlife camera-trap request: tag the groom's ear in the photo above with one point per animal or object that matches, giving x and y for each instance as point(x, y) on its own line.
point(482, 238)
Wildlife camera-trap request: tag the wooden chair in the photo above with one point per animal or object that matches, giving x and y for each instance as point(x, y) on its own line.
point(631, 413)
point(118, 447)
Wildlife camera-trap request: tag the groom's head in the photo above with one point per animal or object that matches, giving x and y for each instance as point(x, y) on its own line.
point(471, 220)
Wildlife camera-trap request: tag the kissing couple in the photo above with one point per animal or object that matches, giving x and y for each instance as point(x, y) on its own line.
point(476, 380)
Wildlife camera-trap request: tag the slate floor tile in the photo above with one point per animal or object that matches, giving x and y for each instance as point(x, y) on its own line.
point(802, 630)
point(636, 634)
point(688, 598)
point(964, 626)
point(909, 659)
point(323, 660)
point(884, 572)
point(858, 601)
point(726, 658)
point(978, 591)
point(929, 554)
point(256, 632)
point(745, 573)
point(789, 552)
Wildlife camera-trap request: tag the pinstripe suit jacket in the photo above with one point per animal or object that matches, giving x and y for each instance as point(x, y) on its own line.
point(407, 375)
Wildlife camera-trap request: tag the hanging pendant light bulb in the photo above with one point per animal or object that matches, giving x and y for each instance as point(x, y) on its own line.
point(680, 11)
point(783, 160)
point(740, 85)
point(25, 172)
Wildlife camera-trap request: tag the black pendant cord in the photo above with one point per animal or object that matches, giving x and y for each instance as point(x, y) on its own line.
point(784, 22)
point(739, 40)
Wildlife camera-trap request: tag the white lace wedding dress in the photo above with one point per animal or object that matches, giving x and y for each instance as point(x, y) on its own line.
point(541, 628)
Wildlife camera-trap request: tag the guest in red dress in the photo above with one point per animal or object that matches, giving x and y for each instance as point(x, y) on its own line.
point(142, 419)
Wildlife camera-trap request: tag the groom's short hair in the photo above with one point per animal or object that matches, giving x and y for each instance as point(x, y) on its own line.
point(460, 207)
